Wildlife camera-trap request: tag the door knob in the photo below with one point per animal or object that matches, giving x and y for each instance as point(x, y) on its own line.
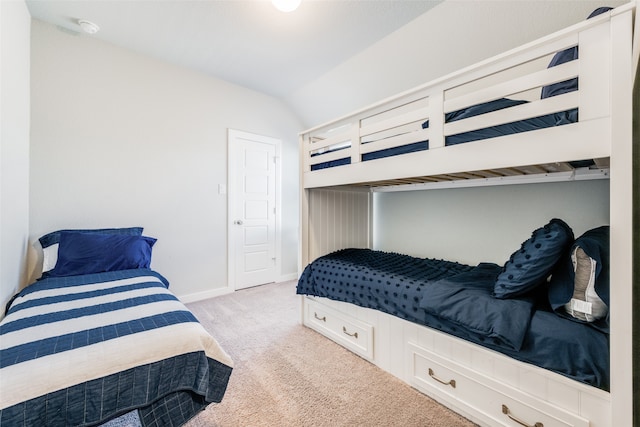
point(238, 222)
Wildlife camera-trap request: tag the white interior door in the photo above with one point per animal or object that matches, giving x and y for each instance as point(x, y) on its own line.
point(253, 176)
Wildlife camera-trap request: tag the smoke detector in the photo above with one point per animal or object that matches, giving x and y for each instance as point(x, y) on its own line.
point(88, 26)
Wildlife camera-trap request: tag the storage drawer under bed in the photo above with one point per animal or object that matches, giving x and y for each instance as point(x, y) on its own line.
point(486, 400)
point(353, 334)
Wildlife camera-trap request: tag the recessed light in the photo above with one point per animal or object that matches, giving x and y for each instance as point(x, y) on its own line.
point(286, 5)
point(88, 26)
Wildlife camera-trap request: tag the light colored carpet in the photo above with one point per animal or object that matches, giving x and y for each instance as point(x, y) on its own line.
point(288, 375)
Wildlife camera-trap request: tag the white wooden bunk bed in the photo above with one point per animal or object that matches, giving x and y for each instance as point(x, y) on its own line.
point(337, 183)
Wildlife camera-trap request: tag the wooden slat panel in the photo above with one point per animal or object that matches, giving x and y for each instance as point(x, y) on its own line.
point(490, 173)
point(521, 112)
point(327, 157)
point(547, 168)
point(595, 93)
point(395, 141)
point(533, 169)
point(327, 142)
point(558, 167)
point(337, 219)
point(412, 116)
point(399, 130)
point(385, 110)
point(540, 78)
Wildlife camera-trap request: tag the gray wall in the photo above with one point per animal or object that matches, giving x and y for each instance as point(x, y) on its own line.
point(15, 25)
point(472, 225)
point(120, 139)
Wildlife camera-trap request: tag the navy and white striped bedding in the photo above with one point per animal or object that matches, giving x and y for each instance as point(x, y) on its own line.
point(81, 350)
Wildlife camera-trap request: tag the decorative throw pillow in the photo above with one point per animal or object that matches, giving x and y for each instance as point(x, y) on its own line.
point(86, 253)
point(579, 286)
point(530, 265)
point(50, 242)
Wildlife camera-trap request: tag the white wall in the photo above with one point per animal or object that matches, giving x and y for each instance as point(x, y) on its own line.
point(14, 146)
point(452, 35)
point(472, 225)
point(120, 139)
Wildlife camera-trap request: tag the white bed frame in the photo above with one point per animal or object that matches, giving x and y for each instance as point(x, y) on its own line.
point(487, 387)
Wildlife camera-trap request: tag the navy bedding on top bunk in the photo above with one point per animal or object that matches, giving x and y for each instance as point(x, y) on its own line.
point(541, 122)
point(458, 299)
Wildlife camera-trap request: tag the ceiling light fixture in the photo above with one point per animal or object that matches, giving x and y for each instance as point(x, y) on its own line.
point(286, 5)
point(88, 27)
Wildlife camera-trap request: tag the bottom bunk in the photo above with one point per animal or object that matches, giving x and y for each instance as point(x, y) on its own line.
point(494, 343)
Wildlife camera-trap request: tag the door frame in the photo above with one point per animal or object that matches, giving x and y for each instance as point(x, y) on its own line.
point(232, 183)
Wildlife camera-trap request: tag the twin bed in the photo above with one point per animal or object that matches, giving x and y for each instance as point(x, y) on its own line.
point(464, 301)
point(535, 340)
point(99, 336)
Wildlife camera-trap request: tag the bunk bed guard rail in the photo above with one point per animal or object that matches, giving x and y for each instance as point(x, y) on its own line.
point(419, 135)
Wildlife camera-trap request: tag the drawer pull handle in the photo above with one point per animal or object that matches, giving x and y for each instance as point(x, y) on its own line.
point(452, 383)
point(507, 412)
point(355, 334)
point(323, 318)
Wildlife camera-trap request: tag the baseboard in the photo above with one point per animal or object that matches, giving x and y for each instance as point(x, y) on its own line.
point(287, 277)
point(212, 293)
point(199, 296)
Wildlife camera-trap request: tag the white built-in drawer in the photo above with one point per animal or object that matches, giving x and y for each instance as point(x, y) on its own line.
point(434, 376)
point(486, 400)
point(353, 334)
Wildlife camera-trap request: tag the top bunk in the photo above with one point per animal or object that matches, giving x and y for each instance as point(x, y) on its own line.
point(547, 110)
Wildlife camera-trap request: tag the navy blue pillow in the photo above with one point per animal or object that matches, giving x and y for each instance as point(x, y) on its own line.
point(476, 110)
point(595, 244)
point(54, 237)
point(530, 265)
point(86, 253)
point(567, 55)
point(485, 107)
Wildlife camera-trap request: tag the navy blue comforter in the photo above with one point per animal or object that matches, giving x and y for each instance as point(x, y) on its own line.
point(458, 299)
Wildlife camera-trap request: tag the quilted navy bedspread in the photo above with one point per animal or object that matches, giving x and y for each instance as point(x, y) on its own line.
point(80, 350)
point(458, 299)
point(414, 289)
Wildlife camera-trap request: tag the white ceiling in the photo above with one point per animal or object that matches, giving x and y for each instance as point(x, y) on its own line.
point(246, 42)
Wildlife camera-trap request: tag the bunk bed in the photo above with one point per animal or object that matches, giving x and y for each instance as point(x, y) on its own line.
point(100, 339)
point(556, 109)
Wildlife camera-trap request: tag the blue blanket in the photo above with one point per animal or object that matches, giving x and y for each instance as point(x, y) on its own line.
point(81, 350)
point(417, 289)
point(457, 299)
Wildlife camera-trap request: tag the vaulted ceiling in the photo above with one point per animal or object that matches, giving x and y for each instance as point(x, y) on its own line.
point(246, 42)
